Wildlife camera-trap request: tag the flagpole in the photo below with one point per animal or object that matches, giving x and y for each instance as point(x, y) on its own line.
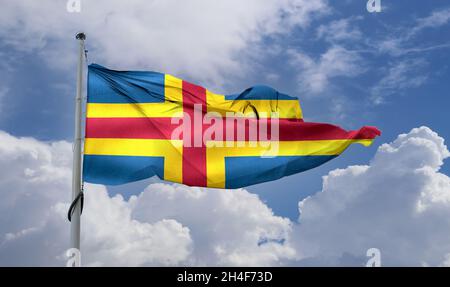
point(76, 171)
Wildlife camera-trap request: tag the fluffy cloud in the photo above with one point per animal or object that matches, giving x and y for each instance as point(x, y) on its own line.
point(229, 227)
point(35, 188)
point(400, 203)
point(202, 39)
point(111, 236)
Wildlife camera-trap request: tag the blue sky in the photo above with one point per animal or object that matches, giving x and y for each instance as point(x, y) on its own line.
point(39, 97)
point(347, 66)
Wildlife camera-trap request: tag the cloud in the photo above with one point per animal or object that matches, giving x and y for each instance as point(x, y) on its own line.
point(340, 30)
point(434, 20)
point(398, 47)
point(35, 188)
point(206, 40)
point(229, 227)
point(111, 236)
point(400, 203)
point(397, 43)
point(400, 76)
point(407, 72)
point(315, 74)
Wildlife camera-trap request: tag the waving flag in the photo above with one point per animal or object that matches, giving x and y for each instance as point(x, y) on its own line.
point(141, 124)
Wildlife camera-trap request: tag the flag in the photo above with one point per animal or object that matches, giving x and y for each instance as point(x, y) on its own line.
point(140, 124)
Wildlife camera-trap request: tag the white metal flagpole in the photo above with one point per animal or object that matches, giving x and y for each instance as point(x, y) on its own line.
point(75, 212)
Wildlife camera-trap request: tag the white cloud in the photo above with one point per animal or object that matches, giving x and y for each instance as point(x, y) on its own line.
point(229, 227)
point(206, 40)
point(400, 76)
point(35, 188)
point(111, 236)
point(315, 75)
point(400, 203)
point(26, 165)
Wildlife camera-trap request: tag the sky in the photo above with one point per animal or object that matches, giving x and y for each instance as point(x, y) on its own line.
point(347, 67)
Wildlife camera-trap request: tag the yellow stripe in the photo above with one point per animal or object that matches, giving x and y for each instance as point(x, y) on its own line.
point(173, 89)
point(173, 105)
point(173, 92)
point(215, 166)
point(284, 108)
point(147, 110)
point(171, 150)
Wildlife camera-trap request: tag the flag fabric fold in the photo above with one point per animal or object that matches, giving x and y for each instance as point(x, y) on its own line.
point(142, 124)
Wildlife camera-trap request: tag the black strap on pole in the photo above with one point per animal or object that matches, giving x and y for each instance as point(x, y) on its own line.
point(80, 197)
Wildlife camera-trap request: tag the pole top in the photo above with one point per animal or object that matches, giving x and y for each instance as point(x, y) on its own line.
point(80, 36)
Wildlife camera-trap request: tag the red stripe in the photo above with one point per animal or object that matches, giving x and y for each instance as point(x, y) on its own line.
point(133, 128)
point(161, 128)
point(297, 130)
point(194, 158)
